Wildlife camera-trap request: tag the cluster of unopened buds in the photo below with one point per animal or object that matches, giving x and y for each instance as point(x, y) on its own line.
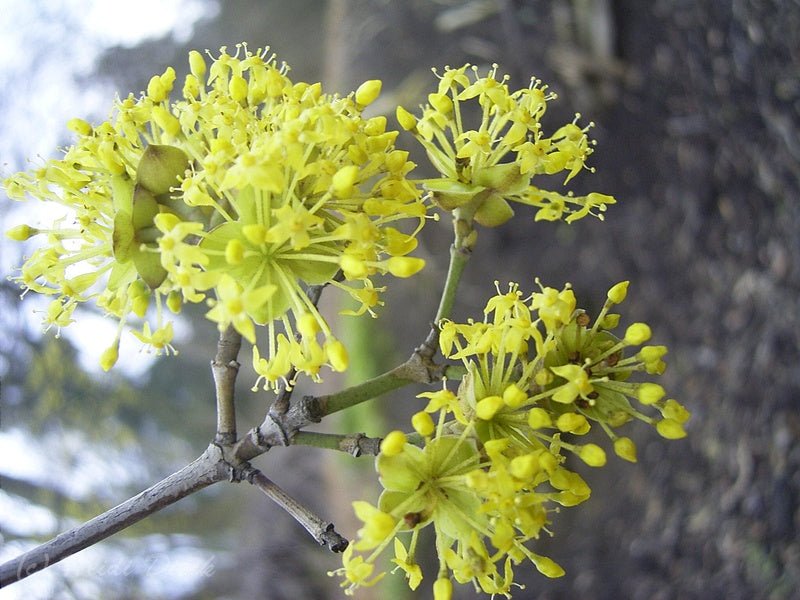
point(250, 188)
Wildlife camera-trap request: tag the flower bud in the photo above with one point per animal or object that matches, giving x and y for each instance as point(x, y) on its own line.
point(368, 91)
point(670, 429)
point(393, 444)
point(524, 467)
point(337, 355)
point(625, 449)
point(618, 292)
point(174, 302)
point(404, 266)
point(676, 411)
point(406, 119)
point(638, 333)
point(197, 65)
point(160, 167)
point(593, 455)
point(255, 233)
point(547, 566)
point(234, 252)
point(494, 211)
point(441, 103)
point(20, 233)
point(423, 423)
point(79, 126)
point(442, 589)
point(513, 396)
point(344, 179)
point(573, 423)
point(650, 393)
point(487, 408)
point(110, 356)
point(237, 88)
point(539, 418)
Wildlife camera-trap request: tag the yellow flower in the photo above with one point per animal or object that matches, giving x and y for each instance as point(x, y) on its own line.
point(485, 164)
point(250, 188)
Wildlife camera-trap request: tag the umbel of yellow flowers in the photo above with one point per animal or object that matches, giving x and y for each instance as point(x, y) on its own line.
point(240, 194)
point(487, 464)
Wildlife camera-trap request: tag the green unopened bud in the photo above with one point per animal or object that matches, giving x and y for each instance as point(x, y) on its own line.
point(255, 233)
point(449, 194)
point(393, 444)
point(618, 292)
point(524, 467)
point(344, 179)
point(494, 211)
point(234, 252)
point(638, 333)
point(670, 429)
point(442, 589)
point(197, 65)
point(546, 566)
point(406, 119)
point(160, 167)
point(166, 120)
point(505, 178)
point(110, 356)
point(423, 423)
point(20, 233)
point(625, 449)
point(441, 103)
point(237, 87)
point(487, 408)
point(368, 92)
point(513, 396)
point(676, 411)
point(539, 418)
point(79, 126)
point(573, 423)
point(337, 355)
point(652, 353)
point(139, 305)
point(650, 393)
point(174, 302)
point(404, 266)
point(610, 321)
point(593, 455)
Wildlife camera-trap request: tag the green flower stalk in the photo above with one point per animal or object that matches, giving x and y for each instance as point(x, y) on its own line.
point(486, 165)
point(490, 468)
point(240, 194)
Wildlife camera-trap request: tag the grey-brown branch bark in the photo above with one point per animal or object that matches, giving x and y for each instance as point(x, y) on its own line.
point(207, 469)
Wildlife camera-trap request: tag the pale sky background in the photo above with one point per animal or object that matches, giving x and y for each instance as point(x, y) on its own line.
point(47, 54)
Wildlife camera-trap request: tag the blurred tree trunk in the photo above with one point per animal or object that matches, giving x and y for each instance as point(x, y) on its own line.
point(697, 112)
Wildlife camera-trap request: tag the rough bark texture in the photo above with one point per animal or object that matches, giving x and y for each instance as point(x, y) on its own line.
point(697, 113)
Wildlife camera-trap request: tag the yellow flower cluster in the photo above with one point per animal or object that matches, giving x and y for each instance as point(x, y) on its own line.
point(484, 167)
point(488, 469)
point(240, 194)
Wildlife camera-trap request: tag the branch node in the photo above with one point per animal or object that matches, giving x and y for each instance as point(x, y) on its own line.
point(331, 538)
point(284, 436)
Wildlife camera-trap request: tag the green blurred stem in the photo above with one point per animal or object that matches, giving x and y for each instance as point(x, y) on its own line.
point(355, 444)
point(391, 380)
point(460, 252)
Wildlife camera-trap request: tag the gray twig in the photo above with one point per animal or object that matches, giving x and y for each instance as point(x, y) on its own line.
point(322, 531)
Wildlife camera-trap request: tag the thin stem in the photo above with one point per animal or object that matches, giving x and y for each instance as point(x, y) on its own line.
point(225, 367)
point(460, 252)
point(413, 370)
point(354, 444)
point(322, 531)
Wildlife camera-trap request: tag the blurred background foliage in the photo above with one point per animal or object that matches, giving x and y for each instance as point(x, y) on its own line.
point(697, 106)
